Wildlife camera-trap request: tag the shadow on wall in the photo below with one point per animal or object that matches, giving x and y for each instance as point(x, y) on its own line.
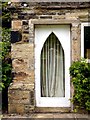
point(15, 36)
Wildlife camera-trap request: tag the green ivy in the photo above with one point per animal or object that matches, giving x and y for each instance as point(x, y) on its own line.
point(80, 73)
point(5, 55)
point(5, 66)
point(6, 58)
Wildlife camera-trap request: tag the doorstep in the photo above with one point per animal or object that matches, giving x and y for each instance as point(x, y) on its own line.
point(47, 116)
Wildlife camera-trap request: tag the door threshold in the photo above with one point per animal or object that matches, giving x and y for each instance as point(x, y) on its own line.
point(52, 109)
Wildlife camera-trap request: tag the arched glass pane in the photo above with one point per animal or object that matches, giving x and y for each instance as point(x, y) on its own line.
point(52, 68)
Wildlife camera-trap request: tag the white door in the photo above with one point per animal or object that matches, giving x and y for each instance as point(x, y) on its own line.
point(52, 62)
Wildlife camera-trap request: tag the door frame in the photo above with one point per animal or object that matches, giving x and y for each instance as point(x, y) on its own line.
point(55, 101)
point(83, 24)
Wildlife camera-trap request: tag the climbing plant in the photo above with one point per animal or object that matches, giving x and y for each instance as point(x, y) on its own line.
point(5, 56)
point(80, 73)
point(6, 66)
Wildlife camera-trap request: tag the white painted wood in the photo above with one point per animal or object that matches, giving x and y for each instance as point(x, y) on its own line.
point(63, 34)
point(82, 38)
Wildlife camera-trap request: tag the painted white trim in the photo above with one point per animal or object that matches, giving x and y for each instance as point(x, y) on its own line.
point(41, 34)
point(82, 37)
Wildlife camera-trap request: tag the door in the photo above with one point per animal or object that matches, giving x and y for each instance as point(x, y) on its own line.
point(52, 62)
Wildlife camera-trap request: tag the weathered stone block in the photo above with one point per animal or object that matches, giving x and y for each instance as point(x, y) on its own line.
point(16, 108)
point(16, 24)
point(52, 109)
point(29, 108)
point(19, 96)
point(21, 86)
point(59, 17)
point(25, 37)
point(24, 78)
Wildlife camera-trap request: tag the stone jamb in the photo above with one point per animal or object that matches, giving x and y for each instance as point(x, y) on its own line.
point(76, 41)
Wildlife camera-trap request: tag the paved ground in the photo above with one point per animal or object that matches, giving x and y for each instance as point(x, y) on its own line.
point(47, 116)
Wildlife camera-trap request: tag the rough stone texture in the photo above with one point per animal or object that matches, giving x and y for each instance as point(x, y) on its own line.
point(16, 108)
point(21, 91)
point(48, 116)
point(76, 41)
point(17, 25)
point(21, 98)
point(52, 110)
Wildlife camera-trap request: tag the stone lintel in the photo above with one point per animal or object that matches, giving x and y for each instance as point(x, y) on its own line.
point(52, 22)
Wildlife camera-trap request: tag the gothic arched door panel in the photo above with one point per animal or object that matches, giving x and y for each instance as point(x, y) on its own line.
point(52, 62)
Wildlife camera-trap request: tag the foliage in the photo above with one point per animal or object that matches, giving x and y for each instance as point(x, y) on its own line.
point(6, 15)
point(6, 67)
point(6, 59)
point(80, 72)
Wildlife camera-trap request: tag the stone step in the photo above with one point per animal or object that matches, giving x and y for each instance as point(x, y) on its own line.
point(47, 116)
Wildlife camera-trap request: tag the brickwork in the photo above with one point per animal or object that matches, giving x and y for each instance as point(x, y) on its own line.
point(21, 91)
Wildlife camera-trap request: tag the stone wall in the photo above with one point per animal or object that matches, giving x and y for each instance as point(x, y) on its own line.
point(24, 17)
